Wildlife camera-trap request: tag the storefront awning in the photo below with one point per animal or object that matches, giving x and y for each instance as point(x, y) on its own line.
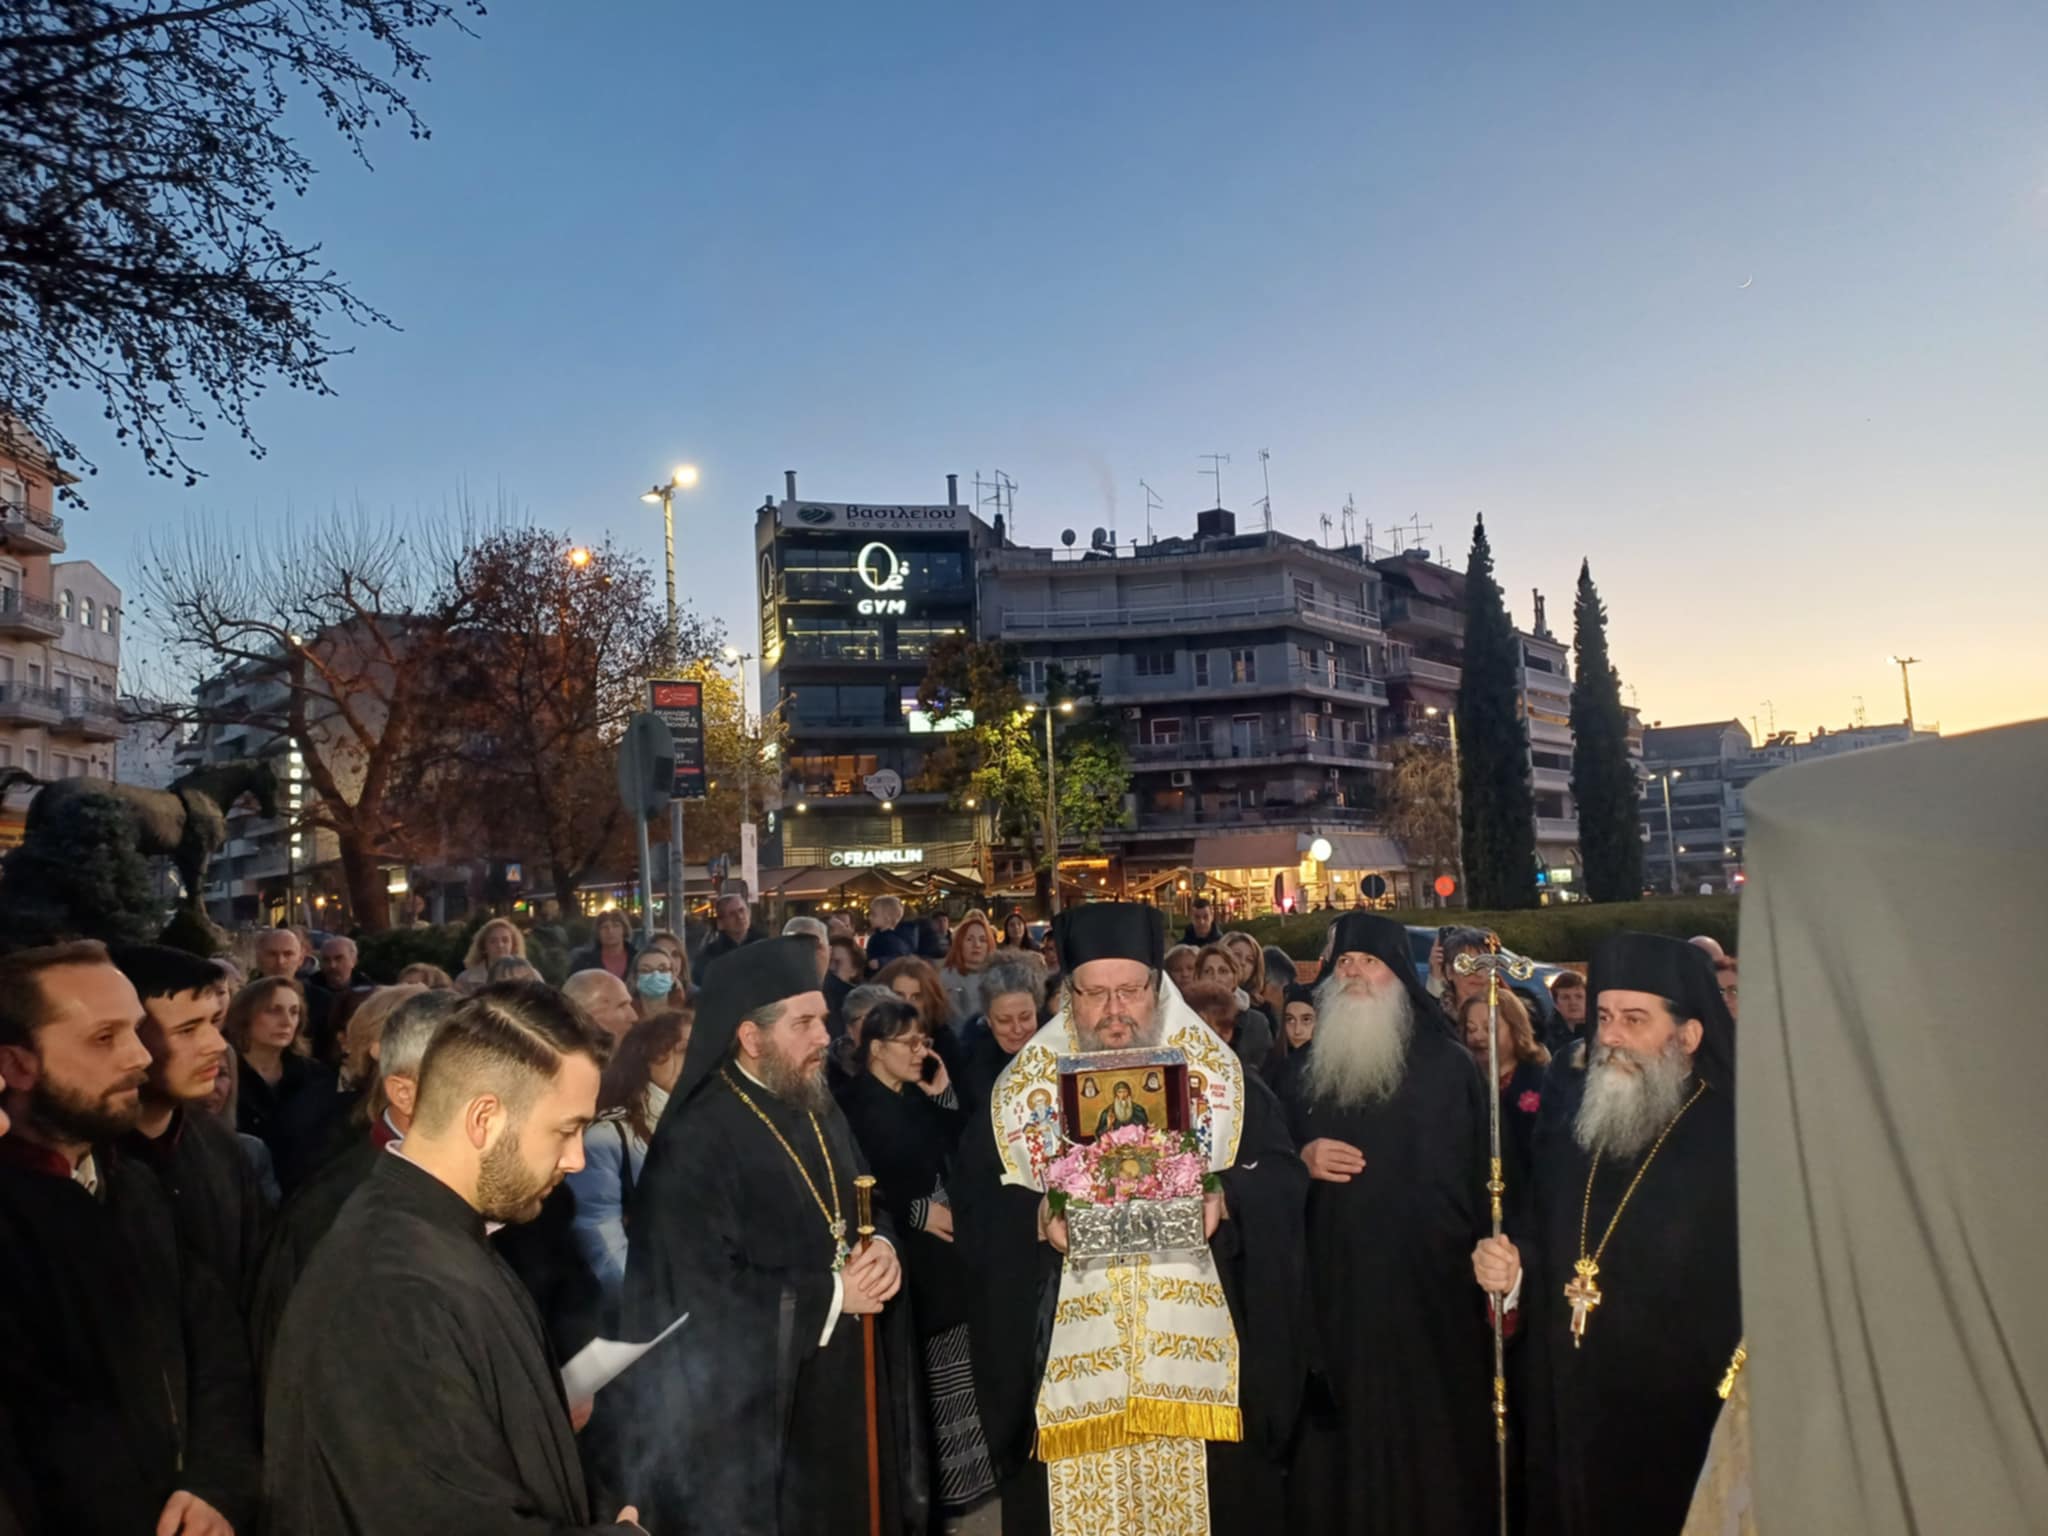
point(1248, 850)
point(1359, 850)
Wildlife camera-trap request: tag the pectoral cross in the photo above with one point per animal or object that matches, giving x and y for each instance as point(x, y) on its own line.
point(1584, 1296)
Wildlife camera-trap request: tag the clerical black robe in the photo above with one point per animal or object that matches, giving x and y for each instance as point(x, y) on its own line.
point(743, 1423)
point(413, 1388)
point(221, 1214)
point(1617, 1428)
point(1015, 1290)
point(305, 1219)
point(1398, 1439)
point(122, 1369)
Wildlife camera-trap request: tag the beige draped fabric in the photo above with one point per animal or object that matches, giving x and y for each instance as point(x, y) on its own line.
point(1893, 1139)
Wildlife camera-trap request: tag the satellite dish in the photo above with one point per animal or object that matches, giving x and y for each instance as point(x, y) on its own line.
point(1067, 537)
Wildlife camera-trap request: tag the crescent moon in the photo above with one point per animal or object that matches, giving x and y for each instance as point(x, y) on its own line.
point(1746, 282)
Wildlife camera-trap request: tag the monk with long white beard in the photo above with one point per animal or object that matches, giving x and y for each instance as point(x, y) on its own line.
point(1623, 1281)
point(1390, 1116)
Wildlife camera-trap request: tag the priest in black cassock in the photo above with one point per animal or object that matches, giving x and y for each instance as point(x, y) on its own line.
point(1390, 1114)
point(1623, 1284)
point(751, 1419)
point(412, 1387)
point(1149, 1445)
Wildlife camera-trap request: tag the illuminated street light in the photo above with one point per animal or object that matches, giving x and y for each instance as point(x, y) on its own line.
point(579, 557)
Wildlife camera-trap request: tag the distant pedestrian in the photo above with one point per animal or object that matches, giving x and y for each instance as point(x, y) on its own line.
point(630, 1100)
point(966, 958)
point(735, 921)
point(494, 941)
point(610, 947)
point(1201, 930)
point(886, 939)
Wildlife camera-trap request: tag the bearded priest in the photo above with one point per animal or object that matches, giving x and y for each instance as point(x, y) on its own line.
point(1626, 1281)
point(1390, 1115)
point(752, 1420)
point(1143, 1394)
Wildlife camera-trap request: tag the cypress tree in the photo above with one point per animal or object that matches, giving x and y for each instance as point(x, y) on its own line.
point(1603, 779)
point(1498, 806)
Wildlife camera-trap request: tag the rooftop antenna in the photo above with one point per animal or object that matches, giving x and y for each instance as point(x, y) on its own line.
point(1325, 520)
point(1266, 474)
point(1349, 518)
point(1000, 493)
point(1861, 718)
point(1153, 503)
point(1215, 472)
point(1413, 534)
point(1771, 715)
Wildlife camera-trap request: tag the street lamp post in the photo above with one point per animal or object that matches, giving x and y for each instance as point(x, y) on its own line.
point(1458, 787)
point(1670, 837)
point(1052, 804)
point(683, 477)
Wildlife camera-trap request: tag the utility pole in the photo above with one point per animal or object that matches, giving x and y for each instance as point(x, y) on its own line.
point(683, 478)
point(1905, 665)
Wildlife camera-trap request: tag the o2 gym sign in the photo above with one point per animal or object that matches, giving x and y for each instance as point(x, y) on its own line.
point(880, 570)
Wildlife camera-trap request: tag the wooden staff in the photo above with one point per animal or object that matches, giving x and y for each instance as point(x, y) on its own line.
point(864, 1214)
point(1493, 963)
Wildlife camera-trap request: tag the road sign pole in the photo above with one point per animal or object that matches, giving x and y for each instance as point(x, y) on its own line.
point(646, 878)
point(677, 895)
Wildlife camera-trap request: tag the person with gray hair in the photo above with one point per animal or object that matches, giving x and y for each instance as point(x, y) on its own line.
point(513, 968)
point(389, 1105)
point(813, 929)
point(1013, 997)
point(847, 1044)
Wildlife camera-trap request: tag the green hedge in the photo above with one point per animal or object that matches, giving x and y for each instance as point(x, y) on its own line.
point(1560, 934)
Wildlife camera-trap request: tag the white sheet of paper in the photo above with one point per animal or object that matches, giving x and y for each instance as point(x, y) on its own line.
point(600, 1361)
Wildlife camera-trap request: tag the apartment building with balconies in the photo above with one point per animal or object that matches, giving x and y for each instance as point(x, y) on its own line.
point(1247, 673)
point(60, 638)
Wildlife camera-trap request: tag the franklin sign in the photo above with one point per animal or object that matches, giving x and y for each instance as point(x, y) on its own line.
point(865, 858)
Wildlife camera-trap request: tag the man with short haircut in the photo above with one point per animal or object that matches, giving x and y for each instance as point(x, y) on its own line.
point(328, 996)
point(277, 953)
point(750, 1421)
point(1081, 1437)
point(1391, 1118)
point(735, 920)
point(1623, 1276)
point(222, 1218)
point(414, 1388)
point(605, 998)
point(390, 1098)
point(1201, 930)
point(886, 939)
point(122, 1373)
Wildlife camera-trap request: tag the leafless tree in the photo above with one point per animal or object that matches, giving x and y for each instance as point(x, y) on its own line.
point(337, 630)
point(143, 150)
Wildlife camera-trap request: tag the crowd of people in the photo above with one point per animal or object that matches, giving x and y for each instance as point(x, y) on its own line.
point(288, 1250)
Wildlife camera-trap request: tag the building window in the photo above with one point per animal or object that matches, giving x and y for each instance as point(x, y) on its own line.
point(66, 604)
point(1304, 591)
point(13, 491)
point(1305, 659)
point(1205, 732)
point(1244, 666)
point(1247, 735)
point(85, 612)
point(34, 759)
point(1311, 725)
point(1153, 664)
point(1165, 733)
point(106, 618)
point(1201, 669)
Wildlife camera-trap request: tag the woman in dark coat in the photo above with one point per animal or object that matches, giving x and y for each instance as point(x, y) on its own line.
point(1524, 1069)
point(610, 948)
point(1013, 993)
point(908, 1129)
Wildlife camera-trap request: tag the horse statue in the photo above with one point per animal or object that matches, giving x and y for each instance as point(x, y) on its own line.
point(186, 823)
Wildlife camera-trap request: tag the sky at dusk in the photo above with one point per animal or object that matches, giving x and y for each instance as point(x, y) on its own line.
point(1439, 258)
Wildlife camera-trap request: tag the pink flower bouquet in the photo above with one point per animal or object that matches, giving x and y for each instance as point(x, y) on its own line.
point(1132, 1162)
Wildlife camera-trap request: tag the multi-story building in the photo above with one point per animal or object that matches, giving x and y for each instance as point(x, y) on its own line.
point(853, 599)
point(60, 638)
point(1248, 675)
point(1546, 709)
point(1706, 770)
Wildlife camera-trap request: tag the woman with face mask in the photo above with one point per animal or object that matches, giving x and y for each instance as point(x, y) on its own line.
point(654, 982)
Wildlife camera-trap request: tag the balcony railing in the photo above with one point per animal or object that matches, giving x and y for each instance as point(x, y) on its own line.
point(1424, 614)
point(23, 701)
point(1260, 748)
point(39, 532)
point(1422, 670)
point(1254, 816)
point(1273, 607)
point(19, 611)
point(91, 716)
point(1556, 829)
point(1133, 690)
